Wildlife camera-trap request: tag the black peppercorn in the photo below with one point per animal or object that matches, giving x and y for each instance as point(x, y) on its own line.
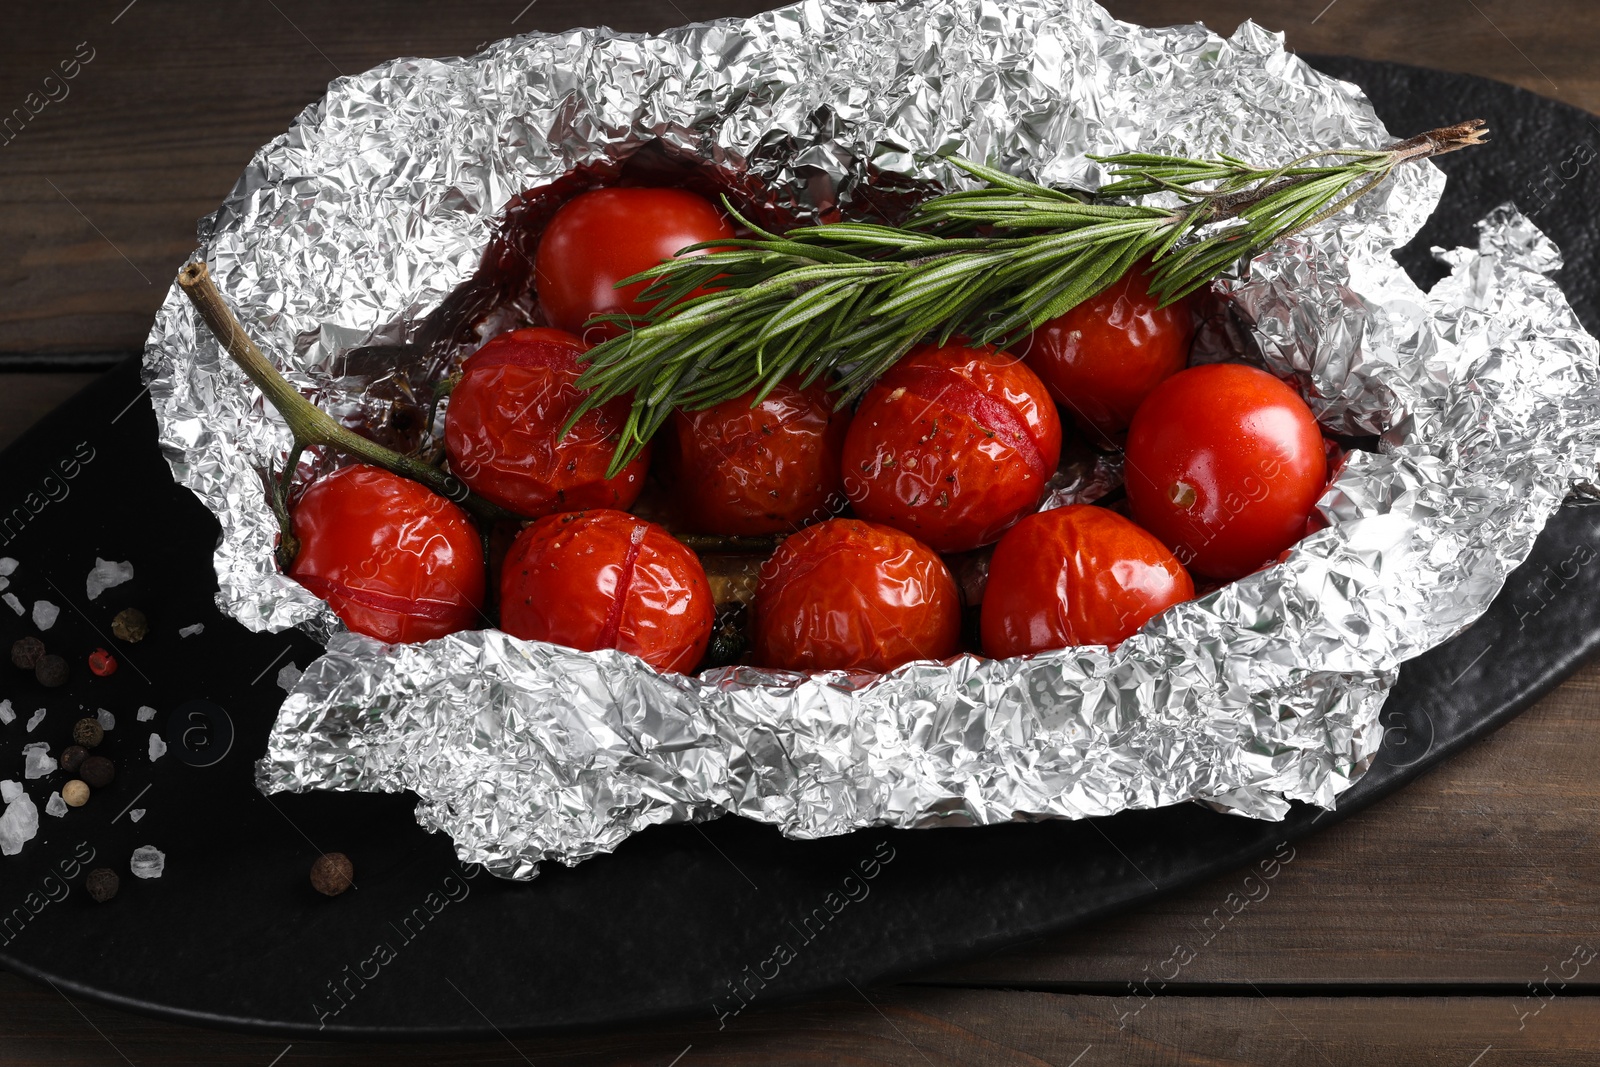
point(52, 671)
point(102, 884)
point(26, 653)
point(72, 758)
point(130, 625)
point(88, 732)
point(97, 771)
point(332, 873)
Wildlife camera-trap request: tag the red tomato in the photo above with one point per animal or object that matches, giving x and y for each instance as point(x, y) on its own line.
point(952, 445)
point(394, 559)
point(1102, 358)
point(1078, 575)
point(603, 236)
point(1225, 464)
point(852, 595)
point(606, 579)
point(501, 427)
point(741, 470)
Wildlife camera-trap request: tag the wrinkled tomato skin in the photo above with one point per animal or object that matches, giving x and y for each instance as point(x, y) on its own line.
point(1078, 575)
point(953, 445)
point(851, 595)
point(605, 235)
point(1102, 358)
point(1225, 464)
point(502, 429)
point(739, 470)
point(606, 579)
point(394, 559)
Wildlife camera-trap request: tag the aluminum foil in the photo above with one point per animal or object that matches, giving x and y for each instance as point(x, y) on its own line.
point(359, 222)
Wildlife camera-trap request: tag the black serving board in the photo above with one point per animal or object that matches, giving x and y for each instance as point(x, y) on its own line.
point(232, 934)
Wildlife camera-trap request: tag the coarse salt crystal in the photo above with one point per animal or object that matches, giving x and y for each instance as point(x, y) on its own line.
point(18, 825)
point(146, 713)
point(36, 760)
point(35, 719)
point(190, 631)
point(7, 565)
point(288, 676)
point(44, 614)
point(158, 747)
point(107, 720)
point(147, 862)
point(14, 604)
point(9, 791)
point(55, 806)
point(8, 714)
point(136, 814)
point(106, 575)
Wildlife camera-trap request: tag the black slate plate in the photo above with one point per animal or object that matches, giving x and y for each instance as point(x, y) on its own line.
point(682, 920)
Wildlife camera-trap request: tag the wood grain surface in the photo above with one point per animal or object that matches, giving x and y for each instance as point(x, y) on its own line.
point(1435, 928)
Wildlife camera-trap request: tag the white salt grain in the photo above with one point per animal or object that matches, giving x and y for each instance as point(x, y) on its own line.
point(107, 720)
point(106, 575)
point(55, 806)
point(36, 760)
point(136, 814)
point(147, 862)
point(158, 747)
point(44, 614)
point(9, 791)
point(8, 714)
point(288, 676)
point(146, 713)
point(190, 631)
point(7, 565)
point(14, 604)
point(35, 719)
point(18, 825)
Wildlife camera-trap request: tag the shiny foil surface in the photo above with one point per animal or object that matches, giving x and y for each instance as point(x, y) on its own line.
point(356, 224)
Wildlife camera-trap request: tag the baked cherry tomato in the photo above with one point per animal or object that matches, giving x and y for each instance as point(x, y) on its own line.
point(952, 445)
point(603, 236)
point(1102, 358)
point(1078, 575)
point(741, 470)
point(394, 559)
point(606, 579)
point(1225, 464)
point(851, 595)
point(502, 429)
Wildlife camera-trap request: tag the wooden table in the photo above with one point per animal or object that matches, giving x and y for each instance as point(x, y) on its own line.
point(1432, 929)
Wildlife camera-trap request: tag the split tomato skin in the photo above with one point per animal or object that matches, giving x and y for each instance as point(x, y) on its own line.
point(851, 595)
point(1225, 464)
point(1078, 575)
point(502, 429)
point(605, 235)
point(739, 470)
point(953, 445)
point(607, 579)
point(1102, 358)
point(394, 559)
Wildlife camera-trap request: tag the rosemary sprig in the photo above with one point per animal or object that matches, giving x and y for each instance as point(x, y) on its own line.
point(990, 264)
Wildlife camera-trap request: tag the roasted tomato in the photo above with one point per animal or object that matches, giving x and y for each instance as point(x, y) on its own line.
point(1102, 358)
point(742, 470)
point(1225, 464)
point(952, 445)
point(394, 559)
point(606, 579)
point(1078, 575)
point(603, 236)
point(851, 595)
point(502, 429)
